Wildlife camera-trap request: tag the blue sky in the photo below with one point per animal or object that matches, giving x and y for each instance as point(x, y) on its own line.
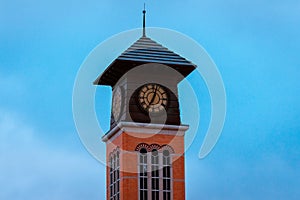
point(255, 45)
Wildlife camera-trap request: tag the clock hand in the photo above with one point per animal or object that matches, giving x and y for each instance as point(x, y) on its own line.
point(154, 95)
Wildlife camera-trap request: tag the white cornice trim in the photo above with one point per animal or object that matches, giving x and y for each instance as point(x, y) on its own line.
point(133, 127)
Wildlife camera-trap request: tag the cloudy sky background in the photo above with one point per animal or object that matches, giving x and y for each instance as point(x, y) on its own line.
point(255, 45)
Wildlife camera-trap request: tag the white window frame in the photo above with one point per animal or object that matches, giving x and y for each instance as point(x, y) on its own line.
point(149, 166)
point(114, 176)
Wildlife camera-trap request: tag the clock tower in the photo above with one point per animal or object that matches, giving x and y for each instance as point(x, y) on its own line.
point(145, 143)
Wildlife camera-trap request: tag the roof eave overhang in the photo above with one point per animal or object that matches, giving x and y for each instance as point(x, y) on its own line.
point(119, 67)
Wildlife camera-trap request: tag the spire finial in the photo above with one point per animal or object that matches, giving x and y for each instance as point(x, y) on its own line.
point(144, 21)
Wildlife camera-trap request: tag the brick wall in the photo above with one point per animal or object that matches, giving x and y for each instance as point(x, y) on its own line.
point(127, 142)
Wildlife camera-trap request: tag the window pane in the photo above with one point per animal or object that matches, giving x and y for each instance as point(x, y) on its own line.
point(146, 195)
point(153, 183)
point(143, 151)
point(168, 174)
point(144, 171)
point(145, 183)
point(157, 184)
point(156, 195)
point(155, 173)
point(154, 152)
point(154, 157)
point(143, 158)
point(143, 195)
point(143, 175)
point(141, 169)
point(168, 184)
point(141, 183)
point(166, 153)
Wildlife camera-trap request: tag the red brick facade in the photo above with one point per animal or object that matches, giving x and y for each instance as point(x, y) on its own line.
point(127, 142)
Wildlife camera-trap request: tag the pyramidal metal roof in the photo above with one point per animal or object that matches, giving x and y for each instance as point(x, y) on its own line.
point(144, 50)
point(147, 50)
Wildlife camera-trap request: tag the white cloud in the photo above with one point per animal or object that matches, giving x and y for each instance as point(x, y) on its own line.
point(33, 169)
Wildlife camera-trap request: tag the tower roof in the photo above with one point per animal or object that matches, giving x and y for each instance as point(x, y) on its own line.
point(147, 50)
point(144, 50)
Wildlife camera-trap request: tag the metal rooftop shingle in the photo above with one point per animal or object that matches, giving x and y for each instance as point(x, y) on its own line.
point(147, 50)
point(143, 51)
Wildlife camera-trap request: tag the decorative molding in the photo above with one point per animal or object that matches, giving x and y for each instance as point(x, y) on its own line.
point(145, 128)
point(167, 147)
point(158, 147)
point(154, 146)
point(141, 146)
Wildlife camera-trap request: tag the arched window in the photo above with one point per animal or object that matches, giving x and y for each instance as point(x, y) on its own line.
point(143, 177)
point(166, 175)
point(155, 174)
point(155, 178)
point(111, 180)
point(114, 176)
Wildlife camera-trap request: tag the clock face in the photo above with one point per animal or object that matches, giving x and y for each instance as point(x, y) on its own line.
point(153, 98)
point(117, 103)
